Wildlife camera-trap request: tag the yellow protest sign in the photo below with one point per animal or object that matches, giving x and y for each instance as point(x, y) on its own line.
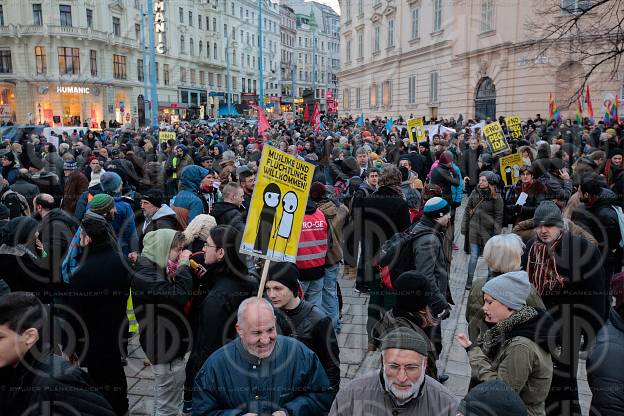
point(514, 125)
point(494, 134)
point(510, 168)
point(415, 130)
point(163, 136)
point(277, 206)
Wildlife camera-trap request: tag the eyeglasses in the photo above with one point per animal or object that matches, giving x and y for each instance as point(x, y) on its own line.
point(210, 245)
point(410, 369)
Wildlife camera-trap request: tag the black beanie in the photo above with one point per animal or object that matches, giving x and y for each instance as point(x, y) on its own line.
point(154, 197)
point(285, 273)
point(492, 398)
point(413, 291)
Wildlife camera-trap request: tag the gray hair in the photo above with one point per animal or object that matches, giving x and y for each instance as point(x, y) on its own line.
point(503, 253)
point(253, 301)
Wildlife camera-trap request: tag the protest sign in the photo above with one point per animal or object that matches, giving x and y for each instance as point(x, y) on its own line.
point(415, 130)
point(514, 126)
point(510, 168)
point(163, 136)
point(494, 134)
point(277, 206)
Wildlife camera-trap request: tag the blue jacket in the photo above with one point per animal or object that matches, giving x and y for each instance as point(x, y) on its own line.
point(188, 197)
point(233, 382)
point(457, 192)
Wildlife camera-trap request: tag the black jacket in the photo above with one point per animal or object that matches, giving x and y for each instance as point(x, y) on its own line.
point(165, 333)
point(470, 165)
point(445, 178)
point(312, 327)
point(28, 189)
point(48, 385)
point(226, 213)
point(164, 218)
point(56, 231)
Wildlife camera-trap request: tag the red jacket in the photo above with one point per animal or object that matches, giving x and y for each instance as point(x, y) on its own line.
point(313, 241)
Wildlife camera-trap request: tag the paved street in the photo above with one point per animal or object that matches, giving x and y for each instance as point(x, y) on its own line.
point(354, 357)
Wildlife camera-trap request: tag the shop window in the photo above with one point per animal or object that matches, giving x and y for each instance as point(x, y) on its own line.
point(184, 97)
point(69, 61)
point(6, 67)
point(90, 18)
point(119, 67)
point(387, 93)
point(116, 26)
point(40, 59)
point(93, 62)
point(37, 14)
point(140, 76)
point(66, 17)
point(166, 74)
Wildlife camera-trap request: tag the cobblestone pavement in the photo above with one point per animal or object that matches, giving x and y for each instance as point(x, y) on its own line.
point(354, 358)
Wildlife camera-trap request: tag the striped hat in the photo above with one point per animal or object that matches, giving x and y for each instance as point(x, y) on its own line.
point(436, 207)
point(70, 165)
point(102, 203)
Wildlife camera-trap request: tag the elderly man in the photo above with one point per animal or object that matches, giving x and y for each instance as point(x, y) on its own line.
point(261, 373)
point(401, 386)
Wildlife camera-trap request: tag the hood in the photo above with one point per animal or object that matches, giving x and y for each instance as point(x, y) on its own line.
point(329, 209)
point(607, 198)
point(220, 208)
point(191, 177)
point(156, 246)
point(163, 211)
point(58, 215)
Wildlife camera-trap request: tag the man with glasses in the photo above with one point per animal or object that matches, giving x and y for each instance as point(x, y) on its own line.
point(401, 386)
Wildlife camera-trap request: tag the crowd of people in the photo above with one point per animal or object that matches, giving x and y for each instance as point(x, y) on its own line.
point(117, 237)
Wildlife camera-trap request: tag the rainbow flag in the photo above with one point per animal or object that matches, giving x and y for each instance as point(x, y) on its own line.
point(590, 109)
point(615, 109)
point(606, 118)
point(553, 110)
point(579, 111)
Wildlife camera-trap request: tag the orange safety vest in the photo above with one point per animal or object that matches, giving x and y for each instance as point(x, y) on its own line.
point(312, 241)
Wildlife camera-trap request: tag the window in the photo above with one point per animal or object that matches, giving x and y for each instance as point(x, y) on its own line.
point(411, 90)
point(360, 7)
point(201, 48)
point(69, 61)
point(575, 6)
point(377, 39)
point(348, 52)
point(219, 84)
point(202, 78)
point(6, 67)
point(181, 12)
point(348, 10)
point(66, 17)
point(137, 31)
point(192, 76)
point(437, 15)
point(415, 13)
point(157, 74)
point(93, 62)
point(90, 18)
point(190, 23)
point(346, 98)
point(191, 47)
point(360, 46)
point(208, 50)
point(214, 24)
point(199, 21)
point(225, 32)
point(372, 95)
point(116, 27)
point(166, 74)
point(40, 59)
point(210, 79)
point(140, 70)
point(387, 93)
point(487, 15)
point(358, 98)
point(37, 14)
point(390, 33)
point(1, 16)
point(433, 87)
point(214, 51)
point(182, 75)
point(207, 23)
point(182, 47)
point(119, 67)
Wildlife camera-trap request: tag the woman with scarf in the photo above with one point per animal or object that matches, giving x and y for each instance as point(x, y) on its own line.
point(482, 219)
point(515, 349)
point(534, 191)
point(613, 170)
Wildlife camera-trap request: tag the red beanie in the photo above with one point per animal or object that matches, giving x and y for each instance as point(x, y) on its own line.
point(446, 157)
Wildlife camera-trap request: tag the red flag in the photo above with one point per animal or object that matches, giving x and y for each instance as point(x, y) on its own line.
point(263, 123)
point(316, 118)
point(306, 114)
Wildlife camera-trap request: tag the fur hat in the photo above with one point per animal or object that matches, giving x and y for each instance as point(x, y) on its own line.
point(199, 228)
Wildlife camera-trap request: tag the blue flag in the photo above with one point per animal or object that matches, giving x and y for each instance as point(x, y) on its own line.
point(389, 124)
point(360, 120)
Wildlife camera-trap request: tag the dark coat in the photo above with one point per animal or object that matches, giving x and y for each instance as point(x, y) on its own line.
point(27, 189)
point(536, 193)
point(445, 178)
point(26, 275)
point(605, 369)
point(164, 218)
point(486, 219)
point(46, 385)
point(56, 231)
point(470, 165)
point(226, 213)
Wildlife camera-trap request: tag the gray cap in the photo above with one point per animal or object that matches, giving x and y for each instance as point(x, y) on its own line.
point(511, 289)
point(548, 213)
point(405, 339)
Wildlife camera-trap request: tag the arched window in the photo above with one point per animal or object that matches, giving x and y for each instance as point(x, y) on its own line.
point(485, 99)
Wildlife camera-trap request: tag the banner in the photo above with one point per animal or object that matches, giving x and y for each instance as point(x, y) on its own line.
point(163, 136)
point(510, 168)
point(416, 130)
point(494, 134)
point(514, 126)
point(277, 206)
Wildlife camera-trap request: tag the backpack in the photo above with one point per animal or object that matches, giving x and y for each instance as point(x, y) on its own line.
point(16, 203)
point(395, 255)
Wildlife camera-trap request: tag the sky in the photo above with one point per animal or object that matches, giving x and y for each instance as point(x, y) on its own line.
point(331, 3)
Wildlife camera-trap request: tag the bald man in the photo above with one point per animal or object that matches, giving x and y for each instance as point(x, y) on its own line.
point(261, 372)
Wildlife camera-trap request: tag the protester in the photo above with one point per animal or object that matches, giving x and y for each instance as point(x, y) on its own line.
point(229, 211)
point(534, 190)
point(9, 170)
point(187, 202)
point(492, 398)
point(156, 214)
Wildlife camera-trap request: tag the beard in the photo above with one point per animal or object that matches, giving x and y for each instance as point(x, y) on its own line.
point(403, 396)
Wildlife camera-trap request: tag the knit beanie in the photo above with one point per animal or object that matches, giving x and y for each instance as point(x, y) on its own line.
point(199, 228)
point(547, 213)
point(287, 274)
point(154, 197)
point(404, 338)
point(490, 176)
point(412, 290)
point(102, 203)
point(492, 398)
point(110, 182)
point(615, 151)
point(70, 165)
point(436, 207)
point(446, 157)
point(511, 289)
point(317, 191)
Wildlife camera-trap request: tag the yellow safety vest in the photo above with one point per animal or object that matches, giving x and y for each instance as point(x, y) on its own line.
point(133, 326)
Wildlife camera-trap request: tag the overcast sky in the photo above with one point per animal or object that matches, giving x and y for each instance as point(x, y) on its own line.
point(332, 3)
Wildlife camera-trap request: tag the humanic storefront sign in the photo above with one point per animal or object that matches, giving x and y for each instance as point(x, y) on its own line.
point(70, 89)
point(159, 25)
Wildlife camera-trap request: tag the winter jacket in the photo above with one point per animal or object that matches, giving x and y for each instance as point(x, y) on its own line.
point(605, 372)
point(457, 192)
point(483, 216)
point(556, 189)
point(159, 300)
point(445, 177)
point(174, 168)
point(431, 260)
point(49, 183)
point(474, 307)
point(336, 216)
point(310, 325)
point(47, 384)
point(367, 395)
point(412, 196)
point(470, 165)
point(188, 197)
point(27, 189)
point(226, 213)
point(536, 194)
point(521, 360)
point(164, 218)
point(56, 231)
point(232, 381)
point(313, 240)
point(27, 274)
point(10, 173)
point(75, 185)
point(55, 163)
point(526, 230)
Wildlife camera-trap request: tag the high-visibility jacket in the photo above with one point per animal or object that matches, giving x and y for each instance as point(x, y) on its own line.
point(133, 325)
point(312, 241)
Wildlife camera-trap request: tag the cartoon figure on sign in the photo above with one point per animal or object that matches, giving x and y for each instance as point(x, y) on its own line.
point(271, 198)
point(289, 206)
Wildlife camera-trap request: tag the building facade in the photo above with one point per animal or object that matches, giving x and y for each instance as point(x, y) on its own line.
point(81, 62)
point(439, 59)
point(288, 64)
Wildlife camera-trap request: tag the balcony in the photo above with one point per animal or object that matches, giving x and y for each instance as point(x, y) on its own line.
point(68, 31)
